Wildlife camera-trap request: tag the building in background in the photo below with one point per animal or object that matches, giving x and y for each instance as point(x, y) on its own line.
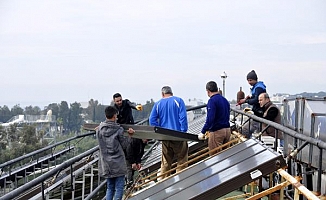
point(279, 97)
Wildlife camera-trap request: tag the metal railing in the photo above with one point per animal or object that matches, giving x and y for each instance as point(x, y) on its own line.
point(238, 115)
point(41, 179)
point(30, 156)
point(288, 132)
point(35, 162)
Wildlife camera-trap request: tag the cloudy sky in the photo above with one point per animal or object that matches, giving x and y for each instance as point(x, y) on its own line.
point(76, 50)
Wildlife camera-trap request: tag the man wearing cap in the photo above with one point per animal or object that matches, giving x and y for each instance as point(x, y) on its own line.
point(257, 88)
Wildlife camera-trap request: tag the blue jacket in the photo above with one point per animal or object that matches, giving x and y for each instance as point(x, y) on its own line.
point(169, 113)
point(256, 90)
point(218, 114)
point(112, 142)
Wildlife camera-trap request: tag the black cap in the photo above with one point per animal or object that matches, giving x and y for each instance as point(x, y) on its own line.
point(252, 75)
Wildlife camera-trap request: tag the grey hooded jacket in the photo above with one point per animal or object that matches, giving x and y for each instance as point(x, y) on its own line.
point(112, 142)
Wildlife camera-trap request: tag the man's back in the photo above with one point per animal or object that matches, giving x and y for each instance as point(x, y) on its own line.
point(111, 144)
point(217, 124)
point(218, 110)
point(169, 113)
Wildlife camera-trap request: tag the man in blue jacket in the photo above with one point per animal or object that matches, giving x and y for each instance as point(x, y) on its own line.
point(218, 118)
point(258, 87)
point(170, 112)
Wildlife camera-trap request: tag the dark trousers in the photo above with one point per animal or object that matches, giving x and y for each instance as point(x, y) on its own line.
point(130, 173)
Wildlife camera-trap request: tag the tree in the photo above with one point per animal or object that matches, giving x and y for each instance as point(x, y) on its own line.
point(28, 140)
point(28, 135)
point(60, 124)
point(95, 111)
point(3, 139)
point(75, 118)
point(16, 142)
point(30, 110)
point(91, 110)
point(5, 114)
point(100, 113)
point(17, 110)
point(64, 114)
point(144, 114)
point(12, 133)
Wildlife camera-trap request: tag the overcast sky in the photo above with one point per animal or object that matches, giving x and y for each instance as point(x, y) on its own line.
point(66, 50)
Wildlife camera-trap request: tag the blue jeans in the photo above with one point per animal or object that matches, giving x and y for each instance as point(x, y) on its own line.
point(115, 188)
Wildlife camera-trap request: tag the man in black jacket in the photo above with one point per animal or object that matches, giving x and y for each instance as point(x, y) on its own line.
point(124, 108)
point(135, 149)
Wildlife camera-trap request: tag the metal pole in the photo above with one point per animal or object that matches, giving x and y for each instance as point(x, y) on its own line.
point(223, 87)
point(223, 76)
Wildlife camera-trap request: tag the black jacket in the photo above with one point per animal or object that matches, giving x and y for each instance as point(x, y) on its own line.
point(135, 151)
point(125, 112)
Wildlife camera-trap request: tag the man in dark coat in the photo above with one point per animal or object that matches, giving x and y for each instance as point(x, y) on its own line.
point(272, 113)
point(112, 143)
point(124, 107)
point(135, 149)
point(218, 118)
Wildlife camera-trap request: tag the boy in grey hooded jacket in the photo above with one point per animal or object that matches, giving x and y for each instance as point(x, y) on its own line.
point(112, 164)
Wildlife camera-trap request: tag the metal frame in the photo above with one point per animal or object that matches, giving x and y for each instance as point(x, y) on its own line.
point(32, 163)
point(299, 139)
point(48, 175)
point(291, 158)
